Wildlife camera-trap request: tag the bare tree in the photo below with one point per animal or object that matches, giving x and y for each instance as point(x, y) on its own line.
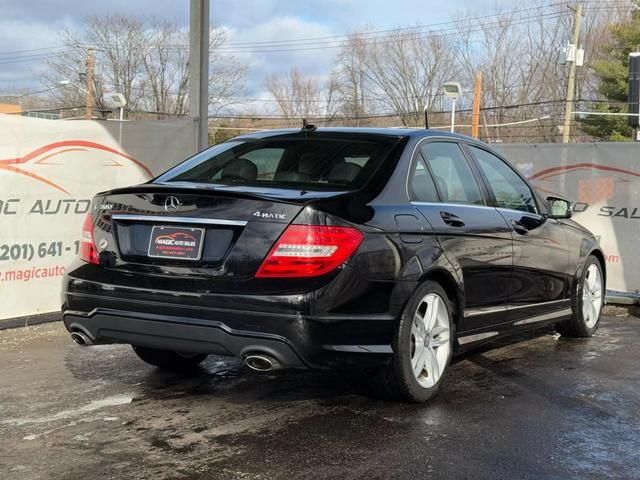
point(166, 65)
point(332, 103)
point(166, 69)
point(296, 96)
point(518, 53)
point(407, 69)
point(226, 74)
point(145, 59)
point(349, 78)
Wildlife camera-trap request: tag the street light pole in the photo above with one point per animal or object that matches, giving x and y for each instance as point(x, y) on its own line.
point(452, 90)
point(453, 115)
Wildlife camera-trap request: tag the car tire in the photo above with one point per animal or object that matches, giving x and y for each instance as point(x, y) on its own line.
point(586, 302)
point(168, 359)
point(421, 335)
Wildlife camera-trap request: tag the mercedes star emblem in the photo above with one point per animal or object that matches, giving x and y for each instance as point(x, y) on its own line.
point(171, 203)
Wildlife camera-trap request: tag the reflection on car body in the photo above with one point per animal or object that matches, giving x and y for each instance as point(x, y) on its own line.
point(394, 247)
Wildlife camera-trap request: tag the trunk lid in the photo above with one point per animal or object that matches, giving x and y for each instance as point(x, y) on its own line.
point(235, 229)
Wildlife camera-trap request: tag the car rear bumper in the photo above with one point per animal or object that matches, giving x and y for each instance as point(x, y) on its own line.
point(184, 334)
point(300, 331)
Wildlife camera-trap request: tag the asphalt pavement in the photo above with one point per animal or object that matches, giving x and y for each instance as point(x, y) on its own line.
point(543, 407)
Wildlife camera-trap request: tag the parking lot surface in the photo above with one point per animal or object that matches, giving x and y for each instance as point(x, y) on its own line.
point(544, 407)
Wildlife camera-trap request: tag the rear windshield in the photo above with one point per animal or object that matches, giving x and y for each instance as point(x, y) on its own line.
point(309, 162)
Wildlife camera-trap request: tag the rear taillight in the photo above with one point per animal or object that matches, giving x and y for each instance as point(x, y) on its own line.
point(88, 251)
point(309, 250)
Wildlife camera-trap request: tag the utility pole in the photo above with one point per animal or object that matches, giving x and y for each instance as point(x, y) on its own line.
point(475, 117)
point(88, 78)
point(199, 70)
point(571, 81)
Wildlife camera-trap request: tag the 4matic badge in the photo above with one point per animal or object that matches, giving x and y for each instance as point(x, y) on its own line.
point(269, 215)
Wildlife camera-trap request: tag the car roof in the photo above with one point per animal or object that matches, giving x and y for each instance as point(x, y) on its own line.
point(393, 132)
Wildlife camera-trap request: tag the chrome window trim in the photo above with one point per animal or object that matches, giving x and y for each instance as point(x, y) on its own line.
point(451, 204)
point(189, 220)
point(521, 212)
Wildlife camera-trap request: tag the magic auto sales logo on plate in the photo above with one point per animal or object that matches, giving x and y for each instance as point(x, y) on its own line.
point(178, 239)
point(176, 243)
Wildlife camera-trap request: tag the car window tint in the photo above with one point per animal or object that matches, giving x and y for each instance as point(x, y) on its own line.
point(322, 161)
point(452, 173)
point(509, 190)
point(266, 160)
point(421, 183)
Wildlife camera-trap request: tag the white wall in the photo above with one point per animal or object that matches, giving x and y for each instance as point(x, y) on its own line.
point(49, 171)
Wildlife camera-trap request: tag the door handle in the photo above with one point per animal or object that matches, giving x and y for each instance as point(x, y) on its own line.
point(451, 219)
point(519, 227)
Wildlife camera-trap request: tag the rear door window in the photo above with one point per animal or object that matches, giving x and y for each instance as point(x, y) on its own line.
point(423, 189)
point(452, 174)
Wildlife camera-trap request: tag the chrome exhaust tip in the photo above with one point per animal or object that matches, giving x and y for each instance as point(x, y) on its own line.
point(81, 339)
point(261, 363)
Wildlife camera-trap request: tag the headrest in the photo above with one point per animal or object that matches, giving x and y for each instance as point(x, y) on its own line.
point(309, 163)
point(240, 169)
point(344, 172)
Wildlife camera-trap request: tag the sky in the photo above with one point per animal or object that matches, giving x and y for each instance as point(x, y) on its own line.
point(36, 24)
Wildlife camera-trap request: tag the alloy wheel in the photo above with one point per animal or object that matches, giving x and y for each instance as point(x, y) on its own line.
point(592, 295)
point(430, 340)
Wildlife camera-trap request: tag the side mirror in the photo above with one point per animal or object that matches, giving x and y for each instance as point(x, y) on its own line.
point(559, 207)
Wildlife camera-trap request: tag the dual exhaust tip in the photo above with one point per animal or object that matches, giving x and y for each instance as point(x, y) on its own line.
point(81, 338)
point(261, 362)
point(258, 361)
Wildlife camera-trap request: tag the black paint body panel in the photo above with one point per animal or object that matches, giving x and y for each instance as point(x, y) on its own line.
point(494, 275)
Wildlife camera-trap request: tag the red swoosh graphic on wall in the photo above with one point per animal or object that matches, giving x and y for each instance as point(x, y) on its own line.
point(47, 157)
point(10, 164)
point(34, 176)
point(549, 172)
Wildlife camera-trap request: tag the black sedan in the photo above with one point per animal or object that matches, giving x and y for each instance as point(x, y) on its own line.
point(315, 248)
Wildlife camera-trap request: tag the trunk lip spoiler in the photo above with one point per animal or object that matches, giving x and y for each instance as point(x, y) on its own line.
point(188, 188)
point(171, 219)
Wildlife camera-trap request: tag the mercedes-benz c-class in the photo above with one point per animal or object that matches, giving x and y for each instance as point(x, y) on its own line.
point(317, 248)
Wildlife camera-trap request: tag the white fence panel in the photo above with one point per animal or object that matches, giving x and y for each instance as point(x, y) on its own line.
point(49, 171)
point(603, 179)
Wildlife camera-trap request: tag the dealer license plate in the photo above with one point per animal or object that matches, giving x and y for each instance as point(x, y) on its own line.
point(178, 243)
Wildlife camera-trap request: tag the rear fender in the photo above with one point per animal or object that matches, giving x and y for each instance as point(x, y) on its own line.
point(439, 269)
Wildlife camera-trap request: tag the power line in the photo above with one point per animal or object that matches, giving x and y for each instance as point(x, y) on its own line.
point(332, 42)
point(31, 58)
point(338, 41)
point(314, 40)
point(32, 50)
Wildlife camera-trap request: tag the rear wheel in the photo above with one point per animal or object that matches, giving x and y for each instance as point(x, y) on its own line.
point(168, 359)
point(587, 302)
point(423, 345)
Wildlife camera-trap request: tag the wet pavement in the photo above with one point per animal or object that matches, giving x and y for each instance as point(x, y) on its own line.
point(544, 407)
